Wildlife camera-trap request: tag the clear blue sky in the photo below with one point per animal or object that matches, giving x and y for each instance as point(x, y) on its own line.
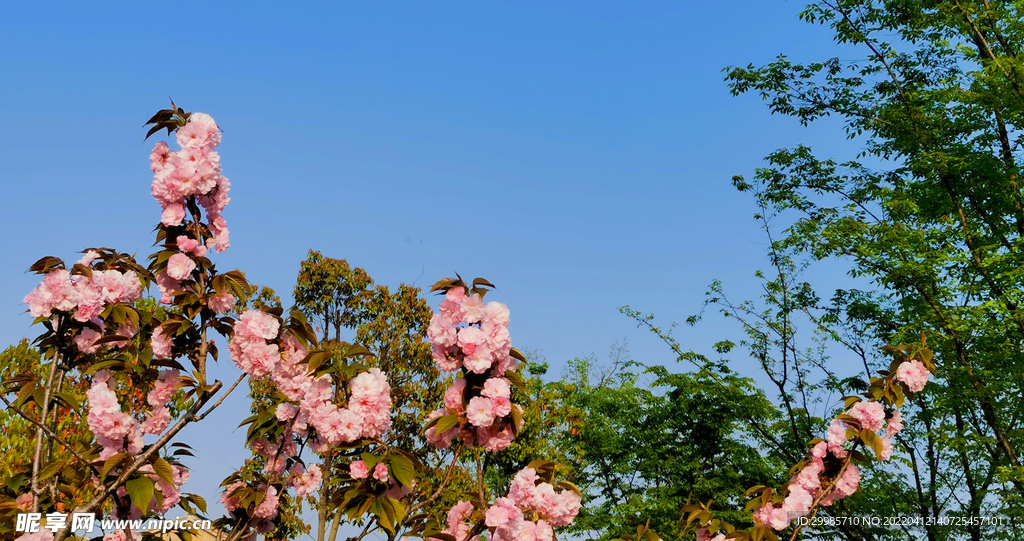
point(576, 154)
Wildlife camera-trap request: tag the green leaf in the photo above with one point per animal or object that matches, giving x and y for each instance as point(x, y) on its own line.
point(872, 440)
point(14, 483)
point(199, 501)
point(51, 469)
point(370, 459)
point(140, 490)
point(447, 422)
point(403, 470)
point(110, 463)
point(163, 470)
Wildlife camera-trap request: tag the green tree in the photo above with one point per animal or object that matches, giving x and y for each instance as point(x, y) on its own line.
point(930, 209)
point(641, 441)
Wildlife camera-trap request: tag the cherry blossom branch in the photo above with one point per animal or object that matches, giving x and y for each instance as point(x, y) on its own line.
point(239, 529)
point(201, 292)
point(816, 506)
point(202, 416)
point(49, 433)
point(141, 460)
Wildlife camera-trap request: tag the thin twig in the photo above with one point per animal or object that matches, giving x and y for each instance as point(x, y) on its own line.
point(213, 407)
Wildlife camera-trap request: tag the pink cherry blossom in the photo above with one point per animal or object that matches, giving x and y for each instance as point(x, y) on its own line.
point(495, 387)
point(161, 343)
point(470, 338)
point(493, 441)
point(380, 472)
point(358, 470)
point(870, 414)
point(913, 374)
point(180, 266)
point(455, 294)
point(24, 502)
point(797, 503)
point(454, 394)
point(836, 438)
point(473, 309)
point(497, 314)
point(809, 477)
point(895, 424)
point(441, 330)
point(227, 500)
point(886, 449)
point(163, 388)
point(158, 158)
point(168, 287)
point(86, 339)
point(268, 508)
point(222, 302)
point(186, 244)
point(480, 411)
point(443, 440)
point(157, 421)
point(444, 357)
point(506, 519)
point(845, 486)
point(773, 517)
point(200, 132)
point(173, 214)
point(275, 465)
point(304, 481)
point(258, 323)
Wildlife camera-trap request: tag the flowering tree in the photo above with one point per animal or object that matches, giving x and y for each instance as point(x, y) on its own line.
point(146, 369)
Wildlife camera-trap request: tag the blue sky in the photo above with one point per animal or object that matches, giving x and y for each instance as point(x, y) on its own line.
point(576, 154)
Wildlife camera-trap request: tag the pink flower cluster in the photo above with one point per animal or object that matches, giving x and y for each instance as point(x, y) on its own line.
point(86, 339)
point(528, 495)
point(805, 487)
point(158, 397)
point(192, 172)
point(107, 422)
point(264, 513)
point(465, 333)
point(359, 470)
point(259, 348)
point(249, 348)
point(305, 481)
point(369, 407)
point(87, 297)
point(368, 413)
point(179, 269)
point(161, 343)
point(482, 345)
point(913, 374)
point(112, 427)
